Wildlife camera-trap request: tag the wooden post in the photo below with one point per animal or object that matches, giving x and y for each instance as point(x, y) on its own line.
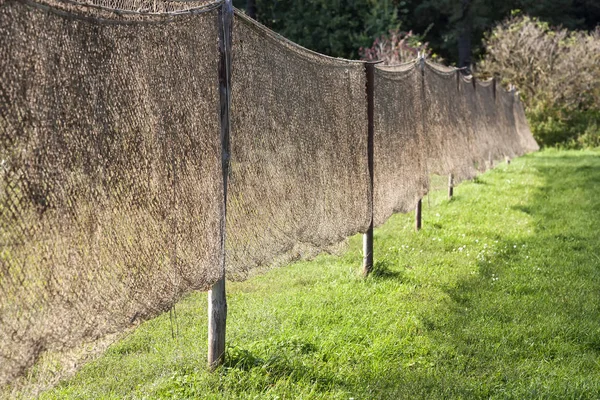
point(450, 186)
point(367, 266)
point(418, 215)
point(217, 317)
point(458, 80)
point(217, 300)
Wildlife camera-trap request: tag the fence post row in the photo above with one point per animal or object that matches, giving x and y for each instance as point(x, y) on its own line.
point(217, 301)
point(368, 235)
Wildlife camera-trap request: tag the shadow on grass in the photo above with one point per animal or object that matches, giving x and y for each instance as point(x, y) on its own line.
point(526, 323)
point(274, 360)
point(565, 212)
point(381, 270)
point(539, 296)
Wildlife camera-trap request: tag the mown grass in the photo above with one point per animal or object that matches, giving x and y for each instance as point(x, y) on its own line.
point(497, 297)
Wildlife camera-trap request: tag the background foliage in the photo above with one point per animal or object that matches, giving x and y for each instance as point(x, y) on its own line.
point(558, 74)
point(334, 27)
point(340, 27)
point(396, 47)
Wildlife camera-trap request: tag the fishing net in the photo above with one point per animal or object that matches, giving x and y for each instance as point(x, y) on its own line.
point(482, 104)
point(110, 170)
point(528, 143)
point(400, 170)
point(507, 138)
point(299, 176)
point(448, 135)
point(147, 6)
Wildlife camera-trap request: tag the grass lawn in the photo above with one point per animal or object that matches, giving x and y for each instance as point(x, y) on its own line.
point(497, 297)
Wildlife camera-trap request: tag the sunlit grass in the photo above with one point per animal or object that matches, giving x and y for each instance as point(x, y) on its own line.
point(498, 296)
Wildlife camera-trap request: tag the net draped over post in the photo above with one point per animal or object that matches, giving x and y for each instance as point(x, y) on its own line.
point(400, 170)
point(480, 104)
point(110, 171)
point(431, 119)
point(298, 173)
point(449, 134)
point(528, 143)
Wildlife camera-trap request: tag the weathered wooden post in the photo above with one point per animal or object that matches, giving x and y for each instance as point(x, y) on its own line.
point(217, 316)
point(217, 301)
point(450, 186)
point(418, 215)
point(368, 251)
point(368, 235)
point(458, 80)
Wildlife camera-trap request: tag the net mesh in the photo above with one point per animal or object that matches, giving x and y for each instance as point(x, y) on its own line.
point(147, 6)
point(110, 171)
point(400, 170)
point(528, 143)
point(449, 139)
point(482, 108)
point(299, 177)
point(111, 179)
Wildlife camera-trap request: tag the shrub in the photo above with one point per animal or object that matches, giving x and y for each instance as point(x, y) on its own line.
point(557, 72)
point(395, 48)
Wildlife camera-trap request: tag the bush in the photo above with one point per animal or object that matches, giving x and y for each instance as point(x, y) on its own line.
point(395, 48)
point(557, 72)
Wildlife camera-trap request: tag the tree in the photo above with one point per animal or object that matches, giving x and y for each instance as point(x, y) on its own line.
point(334, 27)
point(395, 48)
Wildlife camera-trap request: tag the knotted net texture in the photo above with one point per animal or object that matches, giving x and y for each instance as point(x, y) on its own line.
point(110, 171)
point(400, 170)
point(147, 6)
point(299, 176)
point(481, 104)
point(449, 137)
point(432, 120)
point(528, 143)
point(507, 141)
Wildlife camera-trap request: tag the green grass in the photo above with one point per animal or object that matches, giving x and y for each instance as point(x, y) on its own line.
point(497, 297)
